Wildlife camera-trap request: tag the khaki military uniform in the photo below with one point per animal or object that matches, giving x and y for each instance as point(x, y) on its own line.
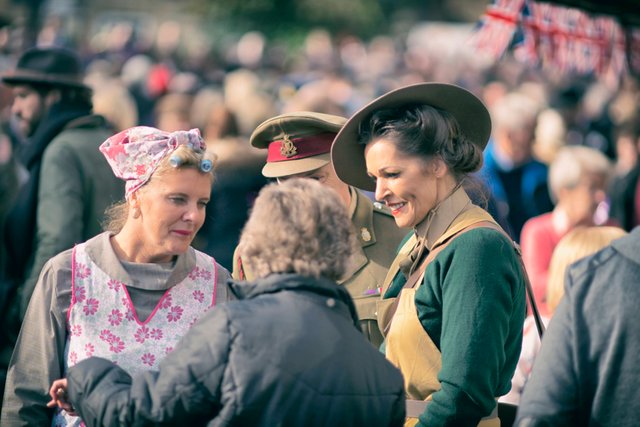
point(379, 238)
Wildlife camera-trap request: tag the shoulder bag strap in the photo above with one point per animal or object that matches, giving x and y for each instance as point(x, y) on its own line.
point(532, 302)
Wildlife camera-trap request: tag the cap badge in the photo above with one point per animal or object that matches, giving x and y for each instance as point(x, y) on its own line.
point(288, 149)
point(365, 234)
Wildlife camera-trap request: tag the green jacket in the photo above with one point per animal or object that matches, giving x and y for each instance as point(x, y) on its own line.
point(472, 304)
point(76, 186)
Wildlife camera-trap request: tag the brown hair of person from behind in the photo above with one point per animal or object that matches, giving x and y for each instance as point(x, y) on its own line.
point(577, 244)
point(298, 226)
point(117, 214)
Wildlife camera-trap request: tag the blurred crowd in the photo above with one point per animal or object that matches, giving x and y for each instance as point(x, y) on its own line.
point(226, 92)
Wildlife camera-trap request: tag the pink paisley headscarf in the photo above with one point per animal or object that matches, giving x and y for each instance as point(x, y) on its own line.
point(134, 154)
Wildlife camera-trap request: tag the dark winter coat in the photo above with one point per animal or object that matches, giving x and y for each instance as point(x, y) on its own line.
point(288, 353)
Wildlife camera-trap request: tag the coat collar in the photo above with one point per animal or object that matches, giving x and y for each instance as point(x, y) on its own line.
point(441, 217)
point(629, 245)
point(90, 121)
point(294, 282)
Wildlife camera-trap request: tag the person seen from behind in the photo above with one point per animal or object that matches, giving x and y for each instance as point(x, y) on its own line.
point(586, 371)
point(576, 244)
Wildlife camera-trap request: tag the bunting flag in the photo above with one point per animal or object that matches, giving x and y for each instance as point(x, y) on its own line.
point(568, 39)
point(498, 25)
point(633, 50)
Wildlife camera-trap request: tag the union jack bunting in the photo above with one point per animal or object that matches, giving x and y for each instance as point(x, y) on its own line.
point(633, 50)
point(567, 39)
point(498, 26)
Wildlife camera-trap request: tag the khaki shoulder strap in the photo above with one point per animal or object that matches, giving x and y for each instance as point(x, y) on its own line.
point(529, 289)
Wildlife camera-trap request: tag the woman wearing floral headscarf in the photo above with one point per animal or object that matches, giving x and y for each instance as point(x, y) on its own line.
point(128, 294)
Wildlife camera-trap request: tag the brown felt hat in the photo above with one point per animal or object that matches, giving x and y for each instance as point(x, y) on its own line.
point(472, 116)
point(52, 66)
point(297, 142)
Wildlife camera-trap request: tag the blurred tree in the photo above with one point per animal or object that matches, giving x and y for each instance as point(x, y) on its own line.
point(33, 20)
point(282, 18)
point(286, 20)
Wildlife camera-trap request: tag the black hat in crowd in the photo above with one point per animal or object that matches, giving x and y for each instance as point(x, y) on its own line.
point(53, 66)
point(472, 116)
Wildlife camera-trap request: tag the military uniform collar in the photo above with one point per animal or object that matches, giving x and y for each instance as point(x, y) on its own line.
point(441, 217)
point(361, 211)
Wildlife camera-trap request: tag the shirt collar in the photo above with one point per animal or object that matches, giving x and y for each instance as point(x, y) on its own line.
point(441, 217)
point(102, 253)
point(353, 202)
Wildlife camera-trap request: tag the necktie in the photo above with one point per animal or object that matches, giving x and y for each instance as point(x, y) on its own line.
point(412, 261)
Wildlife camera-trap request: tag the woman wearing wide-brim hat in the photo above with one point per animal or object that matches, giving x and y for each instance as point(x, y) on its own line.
point(453, 303)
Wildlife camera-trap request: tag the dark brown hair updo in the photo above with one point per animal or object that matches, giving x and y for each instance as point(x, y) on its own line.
point(424, 131)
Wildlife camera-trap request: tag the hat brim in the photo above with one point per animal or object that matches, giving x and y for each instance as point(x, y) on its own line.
point(472, 116)
point(293, 167)
point(18, 79)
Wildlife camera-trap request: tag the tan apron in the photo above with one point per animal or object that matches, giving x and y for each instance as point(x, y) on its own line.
point(409, 347)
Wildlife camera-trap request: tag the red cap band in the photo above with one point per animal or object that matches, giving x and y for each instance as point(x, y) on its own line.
point(300, 148)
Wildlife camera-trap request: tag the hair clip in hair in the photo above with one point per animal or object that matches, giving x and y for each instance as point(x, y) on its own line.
point(206, 165)
point(175, 161)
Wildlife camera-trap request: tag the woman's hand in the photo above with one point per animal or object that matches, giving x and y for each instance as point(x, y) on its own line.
point(59, 397)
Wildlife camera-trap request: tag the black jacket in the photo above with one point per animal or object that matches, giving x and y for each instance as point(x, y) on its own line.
point(288, 353)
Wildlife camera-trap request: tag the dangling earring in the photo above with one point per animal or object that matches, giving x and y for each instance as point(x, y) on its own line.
point(136, 213)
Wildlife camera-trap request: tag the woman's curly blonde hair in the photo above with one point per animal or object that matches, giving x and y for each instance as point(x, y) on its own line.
point(300, 227)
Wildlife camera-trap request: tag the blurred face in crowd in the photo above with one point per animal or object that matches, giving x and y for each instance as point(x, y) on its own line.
point(517, 143)
point(29, 107)
point(581, 201)
point(170, 210)
point(325, 175)
point(404, 183)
